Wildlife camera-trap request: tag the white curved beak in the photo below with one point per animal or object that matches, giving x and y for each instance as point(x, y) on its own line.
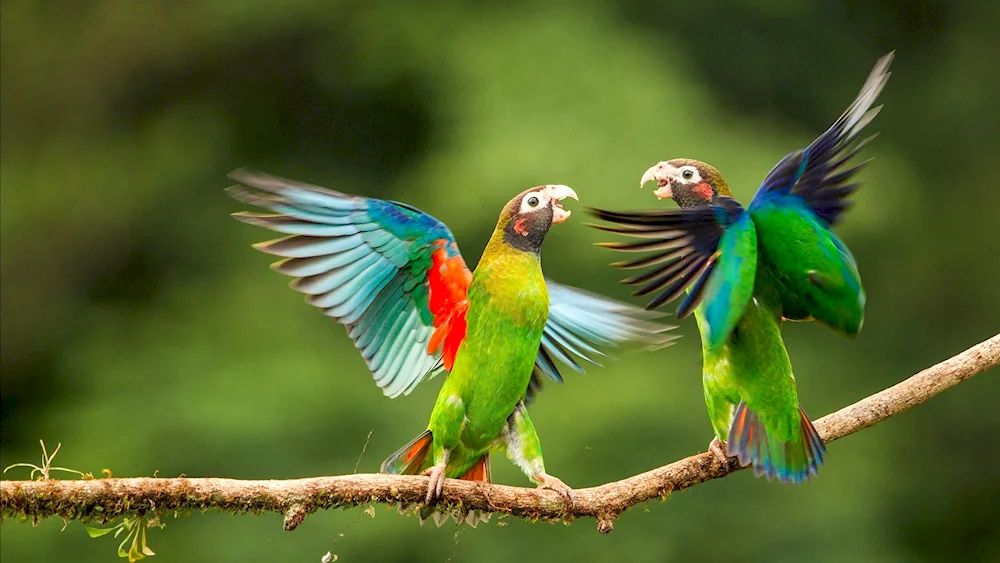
point(660, 172)
point(557, 193)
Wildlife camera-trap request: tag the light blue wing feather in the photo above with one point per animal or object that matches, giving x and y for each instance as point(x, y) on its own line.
point(583, 327)
point(363, 261)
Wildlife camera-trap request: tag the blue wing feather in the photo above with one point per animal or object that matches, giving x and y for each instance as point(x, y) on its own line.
point(354, 258)
point(583, 325)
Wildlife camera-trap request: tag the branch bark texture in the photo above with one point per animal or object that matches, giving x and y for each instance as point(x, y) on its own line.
point(106, 499)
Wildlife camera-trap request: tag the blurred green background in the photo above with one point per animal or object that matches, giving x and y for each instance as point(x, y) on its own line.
point(142, 332)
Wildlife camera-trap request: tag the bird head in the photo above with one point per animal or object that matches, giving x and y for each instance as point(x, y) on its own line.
point(688, 182)
point(526, 218)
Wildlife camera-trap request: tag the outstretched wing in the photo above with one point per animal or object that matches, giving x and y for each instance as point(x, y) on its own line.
point(801, 198)
point(710, 250)
point(389, 272)
point(585, 326)
point(819, 174)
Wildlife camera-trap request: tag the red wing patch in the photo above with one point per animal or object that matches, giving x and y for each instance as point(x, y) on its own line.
point(449, 280)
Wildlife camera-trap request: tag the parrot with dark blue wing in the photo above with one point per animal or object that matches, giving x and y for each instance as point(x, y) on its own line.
point(744, 271)
point(393, 275)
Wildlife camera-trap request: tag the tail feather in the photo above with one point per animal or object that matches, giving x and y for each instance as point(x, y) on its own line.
point(480, 471)
point(793, 461)
point(409, 459)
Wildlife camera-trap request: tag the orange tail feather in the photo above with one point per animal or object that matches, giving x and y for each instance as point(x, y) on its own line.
point(792, 461)
point(480, 471)
point(409, 459)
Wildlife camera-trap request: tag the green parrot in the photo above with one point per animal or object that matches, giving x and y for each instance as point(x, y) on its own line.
point(747, 270)
point(394, 277)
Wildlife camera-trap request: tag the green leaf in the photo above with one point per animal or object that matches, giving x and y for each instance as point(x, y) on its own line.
point(145, 548)
point(98, 532)
point(121, 547)
point(134, 552)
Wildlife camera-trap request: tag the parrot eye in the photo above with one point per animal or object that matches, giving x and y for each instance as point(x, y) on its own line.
point(690, 174)
point(531, 202)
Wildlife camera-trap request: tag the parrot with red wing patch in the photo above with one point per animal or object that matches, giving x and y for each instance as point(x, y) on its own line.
point(393, 275)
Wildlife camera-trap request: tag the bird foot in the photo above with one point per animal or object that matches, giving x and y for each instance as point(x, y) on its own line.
point(436, 484)
point(719, 450)
point(546, 481)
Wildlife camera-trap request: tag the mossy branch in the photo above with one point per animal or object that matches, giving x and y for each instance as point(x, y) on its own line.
point(106, 499)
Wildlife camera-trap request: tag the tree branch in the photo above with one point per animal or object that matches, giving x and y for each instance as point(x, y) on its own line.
point(106, 499)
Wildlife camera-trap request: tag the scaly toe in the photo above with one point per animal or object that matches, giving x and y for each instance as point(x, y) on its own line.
point(718, 449)
point(435, 486)
point(555, 484)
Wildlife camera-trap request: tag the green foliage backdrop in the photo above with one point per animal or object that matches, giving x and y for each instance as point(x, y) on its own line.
point(141, 331)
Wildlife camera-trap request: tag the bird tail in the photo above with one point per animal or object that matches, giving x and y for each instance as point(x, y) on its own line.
point(792, 461)
point(478, 472)
point(409, 459)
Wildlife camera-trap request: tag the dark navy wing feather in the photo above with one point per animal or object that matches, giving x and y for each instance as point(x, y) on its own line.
point(683, 242)
point(710, 251)
point(820, 174)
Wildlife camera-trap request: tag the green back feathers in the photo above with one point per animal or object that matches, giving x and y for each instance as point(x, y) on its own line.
point(809, 270)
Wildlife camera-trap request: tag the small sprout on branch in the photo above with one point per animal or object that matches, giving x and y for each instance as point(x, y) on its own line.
point(134, 529)
point(45, 470)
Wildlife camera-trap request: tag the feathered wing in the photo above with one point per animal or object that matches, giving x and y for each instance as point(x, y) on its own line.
point(711, 251)
point(820, 174)
point(800, 199)
point(390, 273)
point(393, 275)
point(584, 326)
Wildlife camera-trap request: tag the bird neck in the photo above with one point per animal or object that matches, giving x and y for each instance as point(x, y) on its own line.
point(722, 187)
point(507, 243)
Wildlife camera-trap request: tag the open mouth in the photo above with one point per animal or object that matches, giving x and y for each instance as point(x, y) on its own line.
point(559, 193)
point(663, 191)
point(658, 172)
point(558, 213)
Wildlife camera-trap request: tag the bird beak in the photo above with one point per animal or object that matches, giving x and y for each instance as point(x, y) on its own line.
point(659, 173)
point(558, 193)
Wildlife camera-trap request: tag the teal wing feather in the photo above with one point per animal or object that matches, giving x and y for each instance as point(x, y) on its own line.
point(363, 261)
point(584, 326)
point(710, 250)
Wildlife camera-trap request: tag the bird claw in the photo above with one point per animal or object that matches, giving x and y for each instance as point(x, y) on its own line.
point(546, 481)
point(719, 450)
point(436, 484)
